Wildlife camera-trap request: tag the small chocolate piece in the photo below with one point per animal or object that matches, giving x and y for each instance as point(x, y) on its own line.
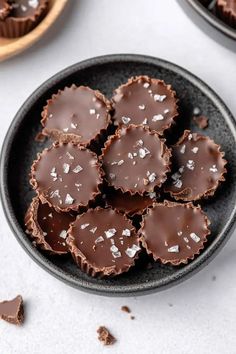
point(173, 232)
point(132, 317)
point(136, 160)
point(201, 121)
point(78, 114)
point(12, 311)
point(125, 309)
point(5, 9)
point(105, 336)
point(66, 176)
point(103, 242)
point(198, 167)
point(146, 101)
point(129, 204)
point(226, 10)
point(23, 17)
point(47, 227)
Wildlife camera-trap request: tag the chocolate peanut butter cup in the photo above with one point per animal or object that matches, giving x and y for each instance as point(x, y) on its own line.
point(5, 9)
point(135, 160)
point(47, 227)
point(127, 203)
point(23, 17)
point(78, 114)
point(66, 176)
point(198, 167)
point(146, 101)
point(226, 10)
point(103, 242)
point(174, 233)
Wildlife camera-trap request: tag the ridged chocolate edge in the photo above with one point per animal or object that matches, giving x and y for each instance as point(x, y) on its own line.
point(181, 261)
point(226, 13)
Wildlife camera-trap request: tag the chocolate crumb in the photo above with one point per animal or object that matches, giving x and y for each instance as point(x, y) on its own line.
point(132, 317)
point(105, 336)
point(125, 309)
point(201, 121)
point(12, 311)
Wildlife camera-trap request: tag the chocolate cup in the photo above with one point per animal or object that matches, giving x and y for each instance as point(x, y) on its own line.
point(226, 12)
point(62, 136)
point(160, 176)
point(183, 257)
point(78, 205)
point(13, 27)
point(35, 231)
point(88, 266)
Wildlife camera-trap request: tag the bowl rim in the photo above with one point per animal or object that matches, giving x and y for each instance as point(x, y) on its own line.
point(110, 290)
point(212, 20)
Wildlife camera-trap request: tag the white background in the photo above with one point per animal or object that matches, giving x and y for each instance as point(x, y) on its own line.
point(60, 319)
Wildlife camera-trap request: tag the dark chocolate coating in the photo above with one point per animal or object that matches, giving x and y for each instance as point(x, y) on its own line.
point(173, 232)
point(66, 176)
point(25, 8)
point(103, 242)
point(145, 101)
point(135, 160)
point(47, 227)
point(79, 113)
point(198, 167)
point(12, 311)
point(129, 204)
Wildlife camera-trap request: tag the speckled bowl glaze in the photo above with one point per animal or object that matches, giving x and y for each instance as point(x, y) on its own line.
point(106, 73)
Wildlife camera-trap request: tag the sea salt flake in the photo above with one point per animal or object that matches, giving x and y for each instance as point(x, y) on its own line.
point(134, 162)
point(116, 254)
point(182, 149)
point(63, 234)
point(190, 136)
point(110, 233)
point(53, 172)
point(173, 249)
point(141, 107)
point(113, 248)
point(166, 111)
point(190, 164)
point(130, 156)
point(143, 152)
point(65, 130)
point(125, 120)
point(92, 111)
point(179, 233)
point(176, 176)
point(213, 168)
point(152, 177)
point(126, 232)
point(195, 149)
point(33, 3)
point(159, 98)
point(157, 117)
point(196, 111)
point(131, 251)
point(84, 226)
point(139, 143)
point(178, 183)
point(186, 240)
point(112, 175)
point(99, 239)
point(55, 194)
point(93, 230)
point(145, 121)
point(23, 8)
point(69, 200)
point(188, 247)
point(69, 155)
point(152, 195)
point(195, 237)
point(146, 85)
point(73, 125)
point(66, 167)
point(50, 215)
point(78, 169)
point(119, 163)
point(45, 233)
point(181, 169)
point(135, 153)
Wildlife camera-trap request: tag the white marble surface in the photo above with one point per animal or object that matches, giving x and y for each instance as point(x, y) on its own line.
point(63, 320)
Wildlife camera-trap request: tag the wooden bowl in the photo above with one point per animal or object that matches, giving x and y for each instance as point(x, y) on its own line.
point(14, 46)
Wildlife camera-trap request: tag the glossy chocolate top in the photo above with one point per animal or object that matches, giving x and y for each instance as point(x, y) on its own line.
point(48, 227)
point(198, 166)
point(4, 9)
point(12, 311)
point(66, 176)
point(25, 8)
point(174, 232)
point(135, 160)
point(145, 101)
point(105, 239)
point(78, 112)
point(129, 204)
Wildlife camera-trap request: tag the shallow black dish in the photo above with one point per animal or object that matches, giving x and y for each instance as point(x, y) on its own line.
point(212, 19)
point(106, 73)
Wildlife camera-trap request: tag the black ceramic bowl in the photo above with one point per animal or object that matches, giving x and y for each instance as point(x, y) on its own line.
point(212, 19)
point(106, 73)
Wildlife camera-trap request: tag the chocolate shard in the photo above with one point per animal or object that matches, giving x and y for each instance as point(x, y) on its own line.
point(12, 311)
point(105, 336)
point(125, 309)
